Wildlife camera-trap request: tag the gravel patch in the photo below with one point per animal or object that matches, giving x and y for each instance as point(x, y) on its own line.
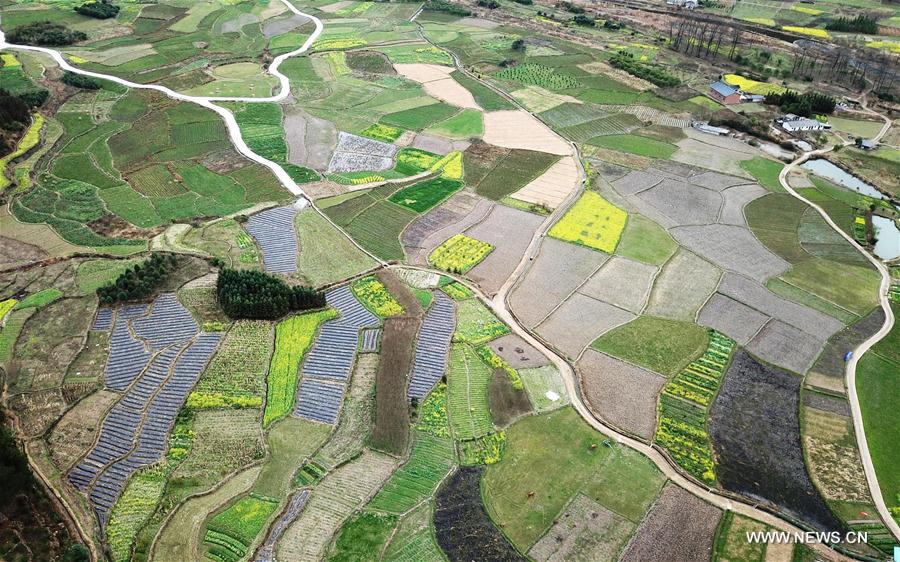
point(557, 271)
point(683, 286)
point(358, 154)
point(732, 248)
point(579, 321)
point(762, 299)
point(509, 231)
point(517, 352)
point(234, 25)
point(636, 181)
point(680, 527)
point(683, 203)
point(736, 198)
point(456, 214)
point(754, 425)
point(585, 531)
point(786, 346)
point(279, 26)
point(734, 319)
point(620, 392)
point(622, 282)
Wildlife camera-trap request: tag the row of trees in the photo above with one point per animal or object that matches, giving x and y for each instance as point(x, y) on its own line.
point(860, 24)
point(254, 294)
point(44, 33)
point(138, 282)
point(805, 105)
point(625, 61)
point(100, 9)
point(446, 7)
point(80, 81)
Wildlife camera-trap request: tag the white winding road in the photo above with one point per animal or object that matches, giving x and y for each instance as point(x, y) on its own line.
point(498, 303)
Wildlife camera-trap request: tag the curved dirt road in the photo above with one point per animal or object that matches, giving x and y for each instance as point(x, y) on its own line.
point(868, 467)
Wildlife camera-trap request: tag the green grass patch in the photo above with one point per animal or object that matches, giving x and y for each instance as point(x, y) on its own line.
point(635, 144)
point(382, 132)
point(465, 124)
point(661, 345)
point(548, 460)
point(361, 536)
point(40, 299)
point(764, 171)
point(851, 287)
point(488, 99)
point(422, 196)
point(495, 178)
point(231, 532)
point(420, 118)
point(645, 241)
point(476, 324)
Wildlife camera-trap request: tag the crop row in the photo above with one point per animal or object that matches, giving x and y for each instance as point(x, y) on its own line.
point(429, 461)
point(459, 254)
point(682, 429)
point(239, 367)
point(467, 398)
point(293, 338)
point(231, 532)
point(538, 75)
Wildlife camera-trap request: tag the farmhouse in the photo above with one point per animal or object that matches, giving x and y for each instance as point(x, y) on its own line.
point(792, 123)
point(866, 144)
point(724, 93)
point(705, 127)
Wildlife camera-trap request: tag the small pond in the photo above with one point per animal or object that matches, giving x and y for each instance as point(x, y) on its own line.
point(887, 234)
point(829, 171)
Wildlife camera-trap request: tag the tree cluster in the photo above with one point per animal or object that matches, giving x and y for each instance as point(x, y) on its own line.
point(489, 4)
point(44, 33)
point(524, 2)
point(254, 294)
point(446, 7)
point(860, 24)
point(80, 81)
point(14, 112)
point(804, 105)
point(570, 7)
point(582, 19)
point(139, 281)
point(625, 61)
point(100, 9)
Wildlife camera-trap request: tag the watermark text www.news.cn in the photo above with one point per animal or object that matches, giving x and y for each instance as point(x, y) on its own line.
point(807, 537)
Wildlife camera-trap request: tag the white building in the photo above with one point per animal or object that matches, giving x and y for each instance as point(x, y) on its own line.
point(803, 124)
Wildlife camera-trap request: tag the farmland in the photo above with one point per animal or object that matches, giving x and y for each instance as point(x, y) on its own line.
point(516, 233)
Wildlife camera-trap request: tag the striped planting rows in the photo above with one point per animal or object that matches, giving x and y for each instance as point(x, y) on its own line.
point(295, 506)
point(326, 369)
point(276, 235)
point(432, 347)
point(650, 114)
point(155, 405)
point(127, 356)
point(370, 340)
point(167, 323)
point(103, 320)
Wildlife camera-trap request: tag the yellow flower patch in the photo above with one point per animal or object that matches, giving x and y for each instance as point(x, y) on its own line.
point(9, 60)
point(752, 86)
point(459, 254)
point(593, 222)
point(375, 296)
point(811, 31)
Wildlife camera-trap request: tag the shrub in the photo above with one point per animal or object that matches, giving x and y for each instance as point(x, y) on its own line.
point(100, 9)
point(80, 81)
point(45, 33)
point(625, 61)
point(446, 7)
point(489, 4)
point(584, 20)
point(139, 281)
point(860, 24)
point(254, 294)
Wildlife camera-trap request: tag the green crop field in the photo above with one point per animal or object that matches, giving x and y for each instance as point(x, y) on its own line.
point(465, 124)
point(658, 344)
point(634, 144)
point(538, 75)
point(765, 171)
point(420, 117)
point(430, 459)
point(230, 533)
point(459, 254)
point(476, 324)
point(467, 386)
point(424, 195)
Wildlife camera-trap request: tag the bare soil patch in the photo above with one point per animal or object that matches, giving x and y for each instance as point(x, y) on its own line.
point(786, 346)
point(621, 282)
point(506, 403)
point(517, 352)
point(754, 426)
point(684, 284)
point(517, 129)
point(680, 527)
point(584, 531)
point(557, 271)
point(734, 319)
point(16, 252)
point(438, 84)
point(311, 141)
point(391, 431)
point(509, 231)
point(830, 363)
point(553, 186)
point(76, 431)
point(736, 198)
point(683, 202)
point(732, 248)
point(579, 321)
point(620, 392)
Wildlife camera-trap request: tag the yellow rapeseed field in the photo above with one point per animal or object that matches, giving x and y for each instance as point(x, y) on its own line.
point(593, 222)
point(811, 31)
